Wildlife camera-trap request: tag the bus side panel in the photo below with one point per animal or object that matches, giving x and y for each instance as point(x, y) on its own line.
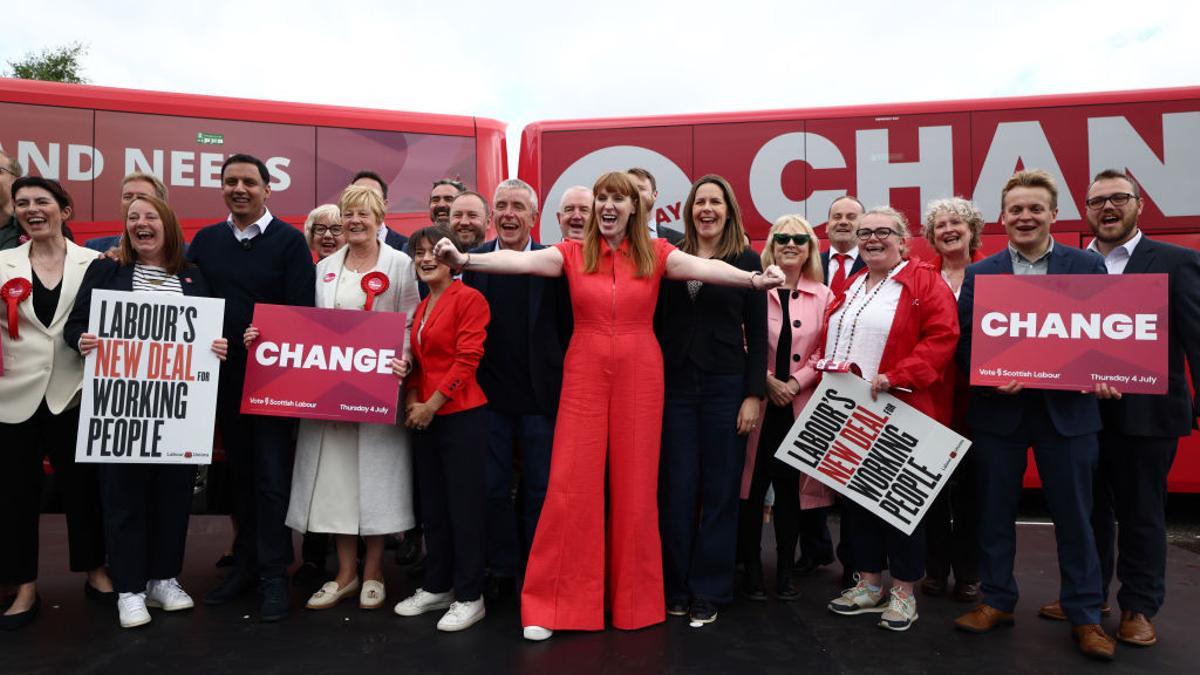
point(55, 143)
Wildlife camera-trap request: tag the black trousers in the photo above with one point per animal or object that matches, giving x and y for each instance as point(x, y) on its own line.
point(259, 451)
point(22, 447)
point(146, 508)
point(450, 465)
point(785, 514)
point(876, 545)
point(952, 527)
point(1129, 517)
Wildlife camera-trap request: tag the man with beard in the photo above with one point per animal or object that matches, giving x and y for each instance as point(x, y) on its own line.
point(574, 209)
point(844, 213)
point(1141, 432)
point(468, 218)
point(521, 373)
point(441, 197)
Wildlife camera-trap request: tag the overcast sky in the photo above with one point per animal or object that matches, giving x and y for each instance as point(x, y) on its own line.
point(524, 61)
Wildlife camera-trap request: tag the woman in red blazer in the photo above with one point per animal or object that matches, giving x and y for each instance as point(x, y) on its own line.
point(899, 323)
point(444, 407)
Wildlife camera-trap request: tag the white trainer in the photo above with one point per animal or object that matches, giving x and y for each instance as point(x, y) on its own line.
point(536, 633)
point(461, 616)
point(131, 609)
point(423, 601)
point(167, 595)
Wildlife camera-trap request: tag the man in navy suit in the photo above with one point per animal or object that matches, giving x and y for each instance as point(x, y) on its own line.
point(840, 228)
point(521, 373)
point(1060, 425)
point(1141, 432)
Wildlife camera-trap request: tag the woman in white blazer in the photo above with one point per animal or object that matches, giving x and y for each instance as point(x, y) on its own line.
point(352, 479)
point(40, 388)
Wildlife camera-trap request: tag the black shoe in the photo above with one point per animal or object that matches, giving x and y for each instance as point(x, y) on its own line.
point(678, 607)
point(276, 600)
point(967, 591)
point(703, 611)
point(98, 596)
point(408, 552)
point(499, 589)
point(237, 583)
point(753, 586)
point(786, 592)
point(806, 567)
point(309, 576)
point(18, 621)
point(227, 560)
point(934, 587)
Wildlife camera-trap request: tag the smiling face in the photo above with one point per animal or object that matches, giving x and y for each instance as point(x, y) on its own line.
point(328, 236)
point(844, 217)
point(133, 189)
point(951, 234)
point(468, 221)
point(440, 200)
point(1113, 225)
point(574, 213)
point(1027, 219)
point(879, 253)
point(429, 270)
point(710, 212)
point(360, 224)
point(144, 227)
point(512, 217)
point(38, 213)
point(791, 255)
point(245, 192)
point(613, 211)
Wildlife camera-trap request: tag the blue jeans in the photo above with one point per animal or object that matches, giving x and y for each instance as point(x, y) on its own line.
point(699, 479)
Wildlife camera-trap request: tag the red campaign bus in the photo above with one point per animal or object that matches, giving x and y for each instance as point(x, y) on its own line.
point(799, 161)
point(90, 137)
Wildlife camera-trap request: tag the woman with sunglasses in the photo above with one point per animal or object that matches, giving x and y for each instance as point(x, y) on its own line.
point(795, 324)
point(898, 323)
point(714, 348)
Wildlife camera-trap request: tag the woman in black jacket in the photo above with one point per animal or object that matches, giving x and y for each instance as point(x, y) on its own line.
point(714, 348)
point(145, 506)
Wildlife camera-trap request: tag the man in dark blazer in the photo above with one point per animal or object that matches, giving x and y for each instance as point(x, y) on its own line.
point(647, 189)
point(840, 227)
point(1141, 432)
point(521, 373)
point(252, 257)
point(1060, 425)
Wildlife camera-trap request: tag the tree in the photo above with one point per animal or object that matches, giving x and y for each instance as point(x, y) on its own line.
point(52, 65)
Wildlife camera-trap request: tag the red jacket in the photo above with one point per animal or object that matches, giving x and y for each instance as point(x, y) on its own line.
point(922, 340)
point(447, 351)
point(954, 389)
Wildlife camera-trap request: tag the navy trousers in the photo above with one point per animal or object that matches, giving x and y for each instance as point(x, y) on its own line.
point(699, 480)
point(1129, 517)
point(531, 437)
point(1067, 466)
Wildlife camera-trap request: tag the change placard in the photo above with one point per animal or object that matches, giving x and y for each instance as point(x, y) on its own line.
point(883, 454)
point(150, 385)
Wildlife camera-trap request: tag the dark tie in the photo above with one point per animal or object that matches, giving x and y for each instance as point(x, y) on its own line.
point(838, 283)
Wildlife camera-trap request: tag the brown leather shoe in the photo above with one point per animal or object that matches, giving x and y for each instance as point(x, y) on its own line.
point(1136, 629)
point(983, 619)
point(933, 587)
point(1094, 642)
point(1054, 612)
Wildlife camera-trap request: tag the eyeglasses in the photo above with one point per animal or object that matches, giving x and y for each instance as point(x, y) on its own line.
point(1118, 200)
point(799, 239)
point(14, 174)
point(320, 230)
point(880, 233)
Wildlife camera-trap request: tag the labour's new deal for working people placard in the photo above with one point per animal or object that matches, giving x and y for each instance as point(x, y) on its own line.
point(150, 385)
point(1071, 331)
point(883, 454)
point(325, 364)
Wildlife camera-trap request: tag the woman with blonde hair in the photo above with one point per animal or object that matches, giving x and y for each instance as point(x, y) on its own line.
point(795, 324)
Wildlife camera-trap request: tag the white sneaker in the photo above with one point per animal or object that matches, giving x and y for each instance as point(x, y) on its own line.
point(901, 611)
point(462, 615)
point(131, 609)
point(859, 599)
point(423, 601)
point(536, 633)
point(168, 595)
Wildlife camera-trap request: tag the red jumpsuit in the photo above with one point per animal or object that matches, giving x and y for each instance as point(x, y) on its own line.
point(609, 419)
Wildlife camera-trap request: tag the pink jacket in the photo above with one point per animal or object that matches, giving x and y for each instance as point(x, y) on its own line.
point(808, 305)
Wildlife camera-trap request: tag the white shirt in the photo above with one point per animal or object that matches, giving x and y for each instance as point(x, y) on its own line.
point(382, 233)
point(1118, 258)
point(256, 228)
point(858, 330)
point(652, 228)
point(833, 263)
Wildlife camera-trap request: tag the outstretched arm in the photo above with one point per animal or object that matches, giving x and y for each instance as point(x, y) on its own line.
point(682, 266)
point(545, 262)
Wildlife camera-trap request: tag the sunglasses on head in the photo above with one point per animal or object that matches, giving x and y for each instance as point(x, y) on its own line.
point(800, 239)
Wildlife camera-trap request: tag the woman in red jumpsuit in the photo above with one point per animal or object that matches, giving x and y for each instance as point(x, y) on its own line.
point(597, 545)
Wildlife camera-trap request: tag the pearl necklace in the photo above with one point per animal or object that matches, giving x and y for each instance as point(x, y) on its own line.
point(854, 322)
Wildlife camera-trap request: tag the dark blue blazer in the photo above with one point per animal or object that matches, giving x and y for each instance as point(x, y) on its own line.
point(102, 244)
point(1173, 414)
point(550, 327)
point(859, 263)
point(396, 241)
point(109, 275)
point(1072, 413)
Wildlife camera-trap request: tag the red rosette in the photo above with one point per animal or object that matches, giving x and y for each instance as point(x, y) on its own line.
point(15, 291)
point(373, 284)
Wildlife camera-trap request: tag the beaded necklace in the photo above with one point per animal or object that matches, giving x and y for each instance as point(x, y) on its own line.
point(854, 322)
